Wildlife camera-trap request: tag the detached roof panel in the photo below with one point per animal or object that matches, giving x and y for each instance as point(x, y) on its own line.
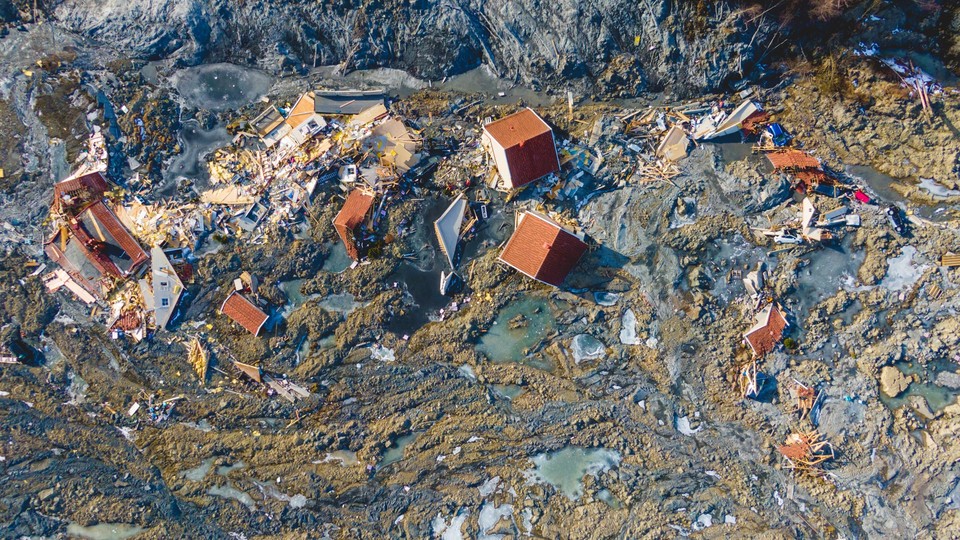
point(448, 226)
point(268, 121)
point(517, 128)
point(120, 246)
point(793, 159)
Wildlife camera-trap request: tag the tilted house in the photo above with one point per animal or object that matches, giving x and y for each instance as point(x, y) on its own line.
point(542, 249)
point(522, 147)
point(166, 287)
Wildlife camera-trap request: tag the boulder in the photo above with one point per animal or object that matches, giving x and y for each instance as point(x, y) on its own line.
point(892, 381)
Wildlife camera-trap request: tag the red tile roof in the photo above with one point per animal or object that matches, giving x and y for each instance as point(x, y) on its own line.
point(793, 159)
point(766, 333)
point(88, 187)
point(103, 217)
point(543, 250)
point(528, 144)
point(352, 214)
point(244, 312)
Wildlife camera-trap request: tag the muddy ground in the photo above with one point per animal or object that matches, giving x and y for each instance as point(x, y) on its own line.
point(443, 437)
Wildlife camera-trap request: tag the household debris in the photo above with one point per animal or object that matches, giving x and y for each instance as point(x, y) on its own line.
point(806, 452)
point(199, 358)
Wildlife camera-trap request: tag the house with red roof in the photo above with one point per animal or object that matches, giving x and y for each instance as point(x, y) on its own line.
point(351, 216)
point(244, 312)
point(764, 335)
point(522, 147)
point(93, 246)
point(542, 249)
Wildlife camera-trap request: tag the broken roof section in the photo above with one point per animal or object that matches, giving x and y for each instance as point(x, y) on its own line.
point(244, 312)
point(522, 146)
point(346, 101)
point(249, 370)
point(167, 287)
point(768, 330)
point(395, 144)
point(674, 144)
point(270, 126)
point(792, 160)
point(354, 211)
point(268, 121)
point(93, 246)
point(448, 226)
point(79, 189)
point(369, 115)
point(542, 249)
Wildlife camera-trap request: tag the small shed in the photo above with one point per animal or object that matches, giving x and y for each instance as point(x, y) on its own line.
point(522, 147)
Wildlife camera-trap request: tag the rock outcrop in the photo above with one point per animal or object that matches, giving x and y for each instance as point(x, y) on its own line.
point(615, 44)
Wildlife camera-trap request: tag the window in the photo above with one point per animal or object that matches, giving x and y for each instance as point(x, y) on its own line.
point(164, 302)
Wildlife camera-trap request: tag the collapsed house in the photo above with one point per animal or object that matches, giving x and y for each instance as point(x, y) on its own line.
point(270, 126)
point(95, 249)
point(244, 312)
point(303, 122)
point(542, 249)
point(764, 335)
point(522, 147)
point(352, 215)
point(291, 130)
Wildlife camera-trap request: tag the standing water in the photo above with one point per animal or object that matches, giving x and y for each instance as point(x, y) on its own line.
point(533, 321)
point(565, 468)
point(219, 87)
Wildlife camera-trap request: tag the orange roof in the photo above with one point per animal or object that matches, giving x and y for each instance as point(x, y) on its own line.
point(542, 249)
point(302, 111)
point(793, 159)
point(528, 145)
point(352, 214)
point(766, 333)
point(795, 451)
point(244, 312)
